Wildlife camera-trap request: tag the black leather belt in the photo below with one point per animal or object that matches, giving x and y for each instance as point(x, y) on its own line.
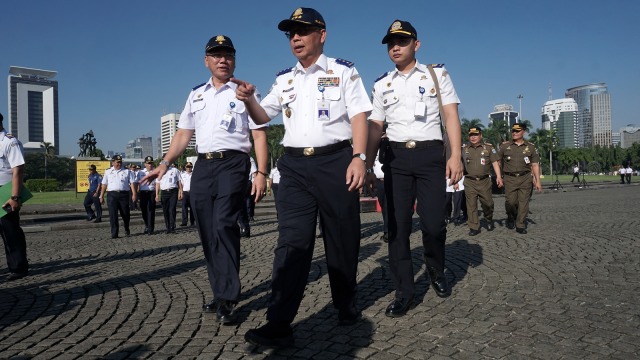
point(146, 191)
point(517, 173)
point(218, 154)
point(320, 150)
point(476, 177)
point(170, 190)
point(118, 191)
point(411, 144)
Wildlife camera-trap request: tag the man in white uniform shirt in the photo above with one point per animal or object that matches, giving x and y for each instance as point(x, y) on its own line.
point(324, 104)
point(11, 170)
point(147, 193)
point(185, 195)
point(119, 183)
point(218, 184)
point(406, 99)
point(167, 191)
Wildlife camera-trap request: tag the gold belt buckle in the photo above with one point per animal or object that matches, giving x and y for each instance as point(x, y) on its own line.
point(410, 144)
point(308, 151)
point(208, 156)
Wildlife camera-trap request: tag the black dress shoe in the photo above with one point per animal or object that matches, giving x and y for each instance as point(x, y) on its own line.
point(91, 218)
point(127, 232)
point(146, 231)
point(348, 317)
point(490, 226)
point(319, 236)
point(385, 237)
point(399, 307)
point(474, 232)
point(273, 335)
point(521, 230)
point(510, 225)
point(97, 220)
point(183, 224)
point(15, 276)
point(439, 282)
point(210, 306)
point(114, 236)
point(245, 232)
point(226, 312)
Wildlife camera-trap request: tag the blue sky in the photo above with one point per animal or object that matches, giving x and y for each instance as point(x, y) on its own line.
point(123, 64)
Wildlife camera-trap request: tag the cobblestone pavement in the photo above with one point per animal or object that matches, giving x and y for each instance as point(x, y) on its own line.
point(566, 290)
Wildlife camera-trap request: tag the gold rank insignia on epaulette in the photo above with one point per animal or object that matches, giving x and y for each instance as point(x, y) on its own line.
point(435, 66)
point(282, 72)
point(344, 62)
point(9, 136)
point(381, 77)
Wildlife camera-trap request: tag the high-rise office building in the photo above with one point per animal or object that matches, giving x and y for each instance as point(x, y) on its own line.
point(139, 148)
point(628, 135)
point(168, 127)
point(33, 108)
point(504, 112)
point(594, 114)
point(561, 115)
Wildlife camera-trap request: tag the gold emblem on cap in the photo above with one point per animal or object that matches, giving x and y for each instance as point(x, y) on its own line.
point(288, 113)
point(296, 14)
point(219, 39)
point(396, 26)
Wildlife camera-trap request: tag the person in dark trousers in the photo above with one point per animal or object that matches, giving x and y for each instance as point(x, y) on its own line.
point(406, 99)
point(222, 127)
point(147, 194)
point(324, 104)
point(11, 171)
point(185, 195)
point(118, 182)
point(93, 196)
point(576, 173)
point(167, 190)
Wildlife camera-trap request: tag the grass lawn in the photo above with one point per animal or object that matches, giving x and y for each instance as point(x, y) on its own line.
point(588, 178)
point(57, 197)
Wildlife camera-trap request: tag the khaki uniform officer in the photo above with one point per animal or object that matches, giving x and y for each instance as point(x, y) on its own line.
point(477, 156)
point(324, 104)
point(520, 162)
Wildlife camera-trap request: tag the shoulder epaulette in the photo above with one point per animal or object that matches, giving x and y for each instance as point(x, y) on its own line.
point(282, 72)
point(381, 77)
point(9, 136)
point(488, 144)
point(194, 88)
point(344, 62)
point(437, 65)
point(506, 142)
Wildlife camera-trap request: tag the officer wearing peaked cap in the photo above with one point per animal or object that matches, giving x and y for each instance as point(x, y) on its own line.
point(324, 104)
point(185, 195)
point(478, 157)
point(118, 182)
point(222, 127)
point(520, 165)
point(406, 98)
point(93, 196)
point(148, 197)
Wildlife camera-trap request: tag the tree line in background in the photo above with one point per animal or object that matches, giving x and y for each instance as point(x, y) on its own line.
point(592, 160)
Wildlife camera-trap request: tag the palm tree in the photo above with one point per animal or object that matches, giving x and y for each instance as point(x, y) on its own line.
point(49, 152)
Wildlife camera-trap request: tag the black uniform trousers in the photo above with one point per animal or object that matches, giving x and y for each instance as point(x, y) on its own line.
point(148, 209)
point(308, 185)
point(118, 201)
point(187, 210)
point(169, 201)
point(410, 174)
point(379, 192)
point(628, 176)
point(89, 200)
point(243, 216)
point(15, 245)
point(217, 197)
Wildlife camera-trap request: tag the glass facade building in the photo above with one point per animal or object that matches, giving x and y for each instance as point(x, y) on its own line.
point(561, 115)
point(594, 114)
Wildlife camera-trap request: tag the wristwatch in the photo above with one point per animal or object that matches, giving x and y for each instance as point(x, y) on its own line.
point(362, 157)
point(370, 171)
point(15, 198)
point(165, 163)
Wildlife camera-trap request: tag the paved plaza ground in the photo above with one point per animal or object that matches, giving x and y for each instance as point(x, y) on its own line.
point(566, 290)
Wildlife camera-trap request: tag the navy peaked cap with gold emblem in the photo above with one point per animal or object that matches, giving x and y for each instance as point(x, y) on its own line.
point(475, 131)
point(1, 117)
point(189, 164)
point(116, 158)
point(402, 29)
point(303, 16)
point(219, 41)
point(148, 159)
point(519, 127)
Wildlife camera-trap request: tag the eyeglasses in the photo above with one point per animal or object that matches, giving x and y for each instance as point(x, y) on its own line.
point(218, 56)
point(303, 31)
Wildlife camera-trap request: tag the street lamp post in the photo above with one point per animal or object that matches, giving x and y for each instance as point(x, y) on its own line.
point(520, 111)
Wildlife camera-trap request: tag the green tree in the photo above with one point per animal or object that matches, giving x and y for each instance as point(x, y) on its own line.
point(275, 134)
